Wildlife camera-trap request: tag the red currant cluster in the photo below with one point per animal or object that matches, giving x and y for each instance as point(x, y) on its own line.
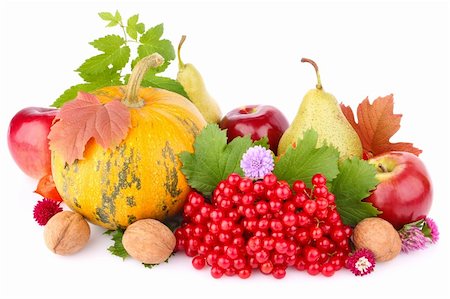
point(265, 225)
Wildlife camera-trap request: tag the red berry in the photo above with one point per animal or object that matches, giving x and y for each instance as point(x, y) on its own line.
point(299, 186)
point(195, 199)
point(254, 243)
point(216, 215)
point(283, 192)
point(309, 206)
point(278, 258)
point(198, 262)
point(313, 269)
point(262, 256)
point(275, 205)
point(224, 237)
point(303, 220)
point(246, 185)
point(331, 198)
point(279, 273)
point(302, 236)
point(322, 203)
point(311, 254)
point(268, 243)
point(276, 225)
point(226, 224)
point(262, 207)
point(216, 272)
point(269, 180)
point(289, 219)
point(239, 263)
point(245, 273)
point(211, 258)
point(230, 271)
point(249, 212)
point(247, 199)
point(337, 234)
point(238, 241)
point(300, 264)
point(328, 270)
point(223, 262)
point(323, 244)
point(266, 268)
point(259, 188)
point(232, 252)
point(234, 179)
point(281, 246)
point(320, 191)
point(318, 180)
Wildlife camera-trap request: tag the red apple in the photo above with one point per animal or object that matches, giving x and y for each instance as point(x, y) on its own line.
point(27, 140)
point(257, 121)
point(404, 193)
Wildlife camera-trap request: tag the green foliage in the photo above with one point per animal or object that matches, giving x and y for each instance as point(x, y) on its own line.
point(117, 249)
point(107, 68)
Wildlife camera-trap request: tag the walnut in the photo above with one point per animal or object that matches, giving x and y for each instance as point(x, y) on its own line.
point(379, 236)
point(66, 233)
point(149, 241)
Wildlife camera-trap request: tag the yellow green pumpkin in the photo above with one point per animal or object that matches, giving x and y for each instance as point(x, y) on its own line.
point(141, 177)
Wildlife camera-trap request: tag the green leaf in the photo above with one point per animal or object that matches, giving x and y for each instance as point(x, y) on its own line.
point(107, 16)
point(213, 159)
point(117, 249)
point(151, 43)
point(108, 44)
point(118, 17)
point(150, 266)
point(353, 183)
point(164, 83)
point(115, 60)
point(264, 142)
point(132, 26)
point(305, 160)
point(140, 27)
point(109, 76)
point(72, 92)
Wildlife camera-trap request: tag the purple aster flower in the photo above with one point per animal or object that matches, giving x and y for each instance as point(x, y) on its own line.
point(362, 262)
point(432, 229)
point(412, 239)
point(257, 162)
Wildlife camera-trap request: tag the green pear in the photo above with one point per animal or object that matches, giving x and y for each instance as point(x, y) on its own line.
point(320, 111)
point(192, 81)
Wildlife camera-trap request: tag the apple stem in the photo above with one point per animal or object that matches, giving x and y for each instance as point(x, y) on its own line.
point(319, 83)
point(180, 62)
point(381, 166)
point(131, 98)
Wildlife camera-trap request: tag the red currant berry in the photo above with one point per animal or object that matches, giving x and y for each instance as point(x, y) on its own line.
point(195, 199)
point(247, 199)
point(226, 224)
point(209, 239)
point(262, 207)
point(348, 231)
point(214, 228)
point(318, 180)
point(331, 198)
point(289, 219)
point(188, 210)
point(261, 233)
point(321, 214)
point(302, 236)
point(283, 192)
point(224, 237)
point(263, 224)
point(268, 243)
point(269, 180)
point(277, 235)
point(250, 225)
point(216, 215)
point(199, 231)
point(299, 186)
point(290, 260)
point(238, 241)
point(289, 206)
point(232, 252)
point(239, 263)
point(303, 220)
point(328, 270)
point(323, 244)
point(228, 191)
point(336, 262)
point(278, 259)
point(279, 272)
point(311, 254)
point(226, 204)
point(313, 269)
point(309, 207)
point(233, 215)
point(250, 212)
point(266, 268)
point(292, 248)
point(326, 228)
point(300, 264)
point(205, 210)
point(246, 185)
point(258, 188)
point(337, 234)
point(236, 199)
point(222, 185)
point(198, 262)
point(234, 179)
point(262, 256)
point(254, 243)
point(253, 263)
point(192, 244)
point(211, 258)
point(320, 191)
point(216, 272)
point(275, 205)
point(237, 230)
point(343, 244)
point(203, 249)
point(245, 273)
point(223, 262)
point(322, 203)
point(333, 217)
point(276, 225)
point(230, 271)
point(281, 246)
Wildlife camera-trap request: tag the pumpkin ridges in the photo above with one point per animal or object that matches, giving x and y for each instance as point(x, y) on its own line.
point(163, 122)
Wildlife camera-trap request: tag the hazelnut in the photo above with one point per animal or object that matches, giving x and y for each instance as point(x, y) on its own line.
point(379, 236)
point(66, 233)
point(149, 241)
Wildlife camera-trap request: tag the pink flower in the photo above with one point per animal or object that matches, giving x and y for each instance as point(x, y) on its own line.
point(362, 262)
point(433, 230)
point(412, 239)
point(257, 162)
point(45, 209)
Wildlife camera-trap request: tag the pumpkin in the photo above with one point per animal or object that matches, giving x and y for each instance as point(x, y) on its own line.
point(141, 177)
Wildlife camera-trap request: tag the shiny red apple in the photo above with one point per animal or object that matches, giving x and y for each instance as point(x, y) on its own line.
point(27, 140)
point(257, 121)
point(404, 193)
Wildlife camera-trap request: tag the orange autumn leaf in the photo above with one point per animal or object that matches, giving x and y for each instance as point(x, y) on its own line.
point(46, 187)
point(377, 123)
point(84, 118)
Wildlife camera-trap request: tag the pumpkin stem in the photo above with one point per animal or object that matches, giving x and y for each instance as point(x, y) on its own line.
point(134, 83)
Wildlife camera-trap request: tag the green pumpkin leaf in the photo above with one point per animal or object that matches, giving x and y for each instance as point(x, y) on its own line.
point(164, 83)
point(115, 60)
point(264, 142)
point(108, 43)
point(354, 182)
point(117, 249)
point(306, 160)
point(132, 27)
point(213, 159)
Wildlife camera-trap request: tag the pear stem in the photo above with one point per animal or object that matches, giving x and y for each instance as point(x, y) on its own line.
point(319, 83)
point(381, 166)
point(180, 62)
point(131, 98)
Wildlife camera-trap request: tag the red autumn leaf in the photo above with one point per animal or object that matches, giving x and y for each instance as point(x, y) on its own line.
point(46, 187)
point(84, 118)
point(377, 123)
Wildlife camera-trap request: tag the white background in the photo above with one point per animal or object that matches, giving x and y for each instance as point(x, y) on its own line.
point(248, 53)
